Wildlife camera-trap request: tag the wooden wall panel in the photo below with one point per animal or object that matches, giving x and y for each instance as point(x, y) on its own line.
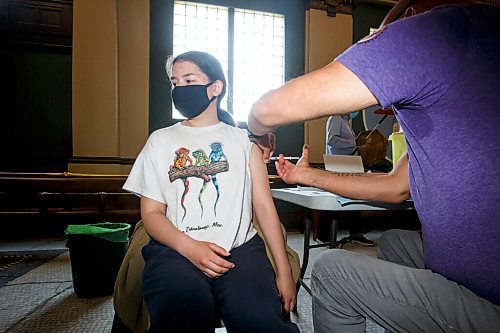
point(37, 22)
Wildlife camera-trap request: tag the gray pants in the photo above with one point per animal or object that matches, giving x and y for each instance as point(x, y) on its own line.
point(397, 293)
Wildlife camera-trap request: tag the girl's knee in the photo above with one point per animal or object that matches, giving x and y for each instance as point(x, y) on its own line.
point(170, 297)
point(174, 310)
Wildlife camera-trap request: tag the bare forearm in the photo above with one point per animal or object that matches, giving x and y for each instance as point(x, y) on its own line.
point(159, 227)
point(366, 186)
point(273, 235)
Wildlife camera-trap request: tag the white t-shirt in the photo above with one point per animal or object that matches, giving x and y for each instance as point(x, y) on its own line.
point(202, 174)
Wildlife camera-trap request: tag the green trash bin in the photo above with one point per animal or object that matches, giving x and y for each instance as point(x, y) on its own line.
point(96, 252)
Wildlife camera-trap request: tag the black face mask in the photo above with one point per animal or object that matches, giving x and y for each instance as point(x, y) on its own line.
point(191, 100)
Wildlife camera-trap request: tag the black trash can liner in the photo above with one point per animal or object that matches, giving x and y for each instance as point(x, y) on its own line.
point(96, 252)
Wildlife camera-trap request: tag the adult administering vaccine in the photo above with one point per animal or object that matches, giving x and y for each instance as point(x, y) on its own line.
point(439, 68)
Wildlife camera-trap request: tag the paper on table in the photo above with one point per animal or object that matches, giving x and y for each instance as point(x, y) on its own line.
point(313, 190)
point(342, 200)
point(308, 188)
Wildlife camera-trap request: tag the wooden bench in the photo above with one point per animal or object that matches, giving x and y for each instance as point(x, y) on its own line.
point(62, 199)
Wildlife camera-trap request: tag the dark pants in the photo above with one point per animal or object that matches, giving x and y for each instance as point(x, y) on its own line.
point(180, 298)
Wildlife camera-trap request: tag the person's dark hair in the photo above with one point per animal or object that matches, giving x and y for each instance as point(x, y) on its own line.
point(212, 68)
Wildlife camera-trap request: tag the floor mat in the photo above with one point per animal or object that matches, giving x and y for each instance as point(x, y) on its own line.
point(15, 264)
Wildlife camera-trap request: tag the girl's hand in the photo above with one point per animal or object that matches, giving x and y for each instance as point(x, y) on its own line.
point(208, 257)
point(286, 288)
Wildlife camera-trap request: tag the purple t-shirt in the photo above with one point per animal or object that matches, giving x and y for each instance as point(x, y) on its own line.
point(440, 71)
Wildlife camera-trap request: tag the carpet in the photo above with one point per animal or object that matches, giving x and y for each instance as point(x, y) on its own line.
point(15, 264)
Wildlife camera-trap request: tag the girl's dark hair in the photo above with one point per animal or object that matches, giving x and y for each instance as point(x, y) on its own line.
point(212, 68)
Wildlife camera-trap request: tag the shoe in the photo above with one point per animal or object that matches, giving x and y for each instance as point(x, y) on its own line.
point(361, 239)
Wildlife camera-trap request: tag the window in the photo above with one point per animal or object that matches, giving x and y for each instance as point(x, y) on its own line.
point(249, 44)
point(290, 138)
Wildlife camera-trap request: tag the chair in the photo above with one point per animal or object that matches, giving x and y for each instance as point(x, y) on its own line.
point(131, 315)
